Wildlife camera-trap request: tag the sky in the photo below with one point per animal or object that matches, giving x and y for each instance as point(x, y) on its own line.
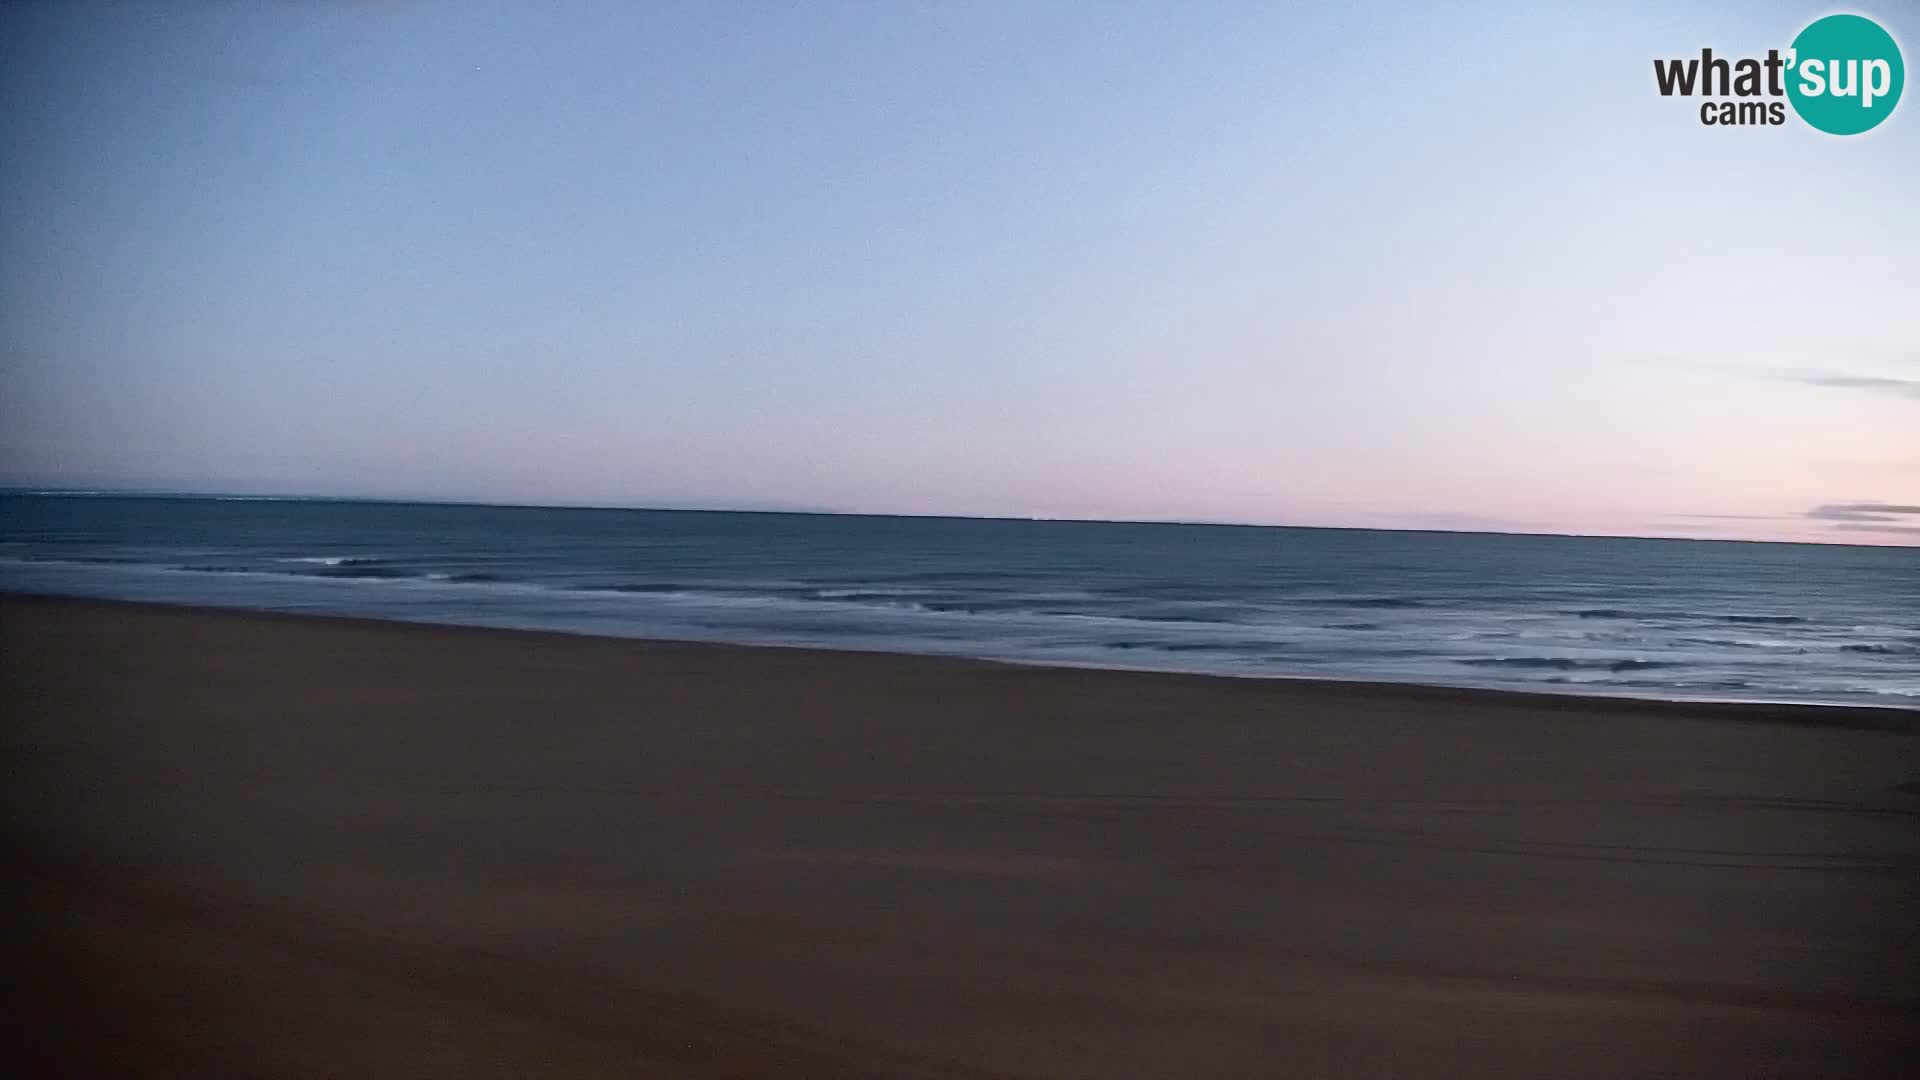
point(1342, 264)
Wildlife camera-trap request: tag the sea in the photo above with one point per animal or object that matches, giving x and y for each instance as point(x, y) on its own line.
point(1671, 619)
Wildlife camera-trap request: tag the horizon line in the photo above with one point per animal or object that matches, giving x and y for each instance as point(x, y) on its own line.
point(213, 496)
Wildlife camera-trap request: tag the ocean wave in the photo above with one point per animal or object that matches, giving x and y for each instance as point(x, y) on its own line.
point(1877, 649)
point(366, 568)
point(1164, 590)
point(1693, 616)
point(1191, 646)
point(372, 569)
point(1568, 663)
point(348, 569)
point(1371, 601)
point(1022, 606)
point(929, 601)
point(333, 560)
point(1198, 618)
point(1742, 643)
point(81, 560)
point(1710, 686)
point(931, 577)
point(862, 595)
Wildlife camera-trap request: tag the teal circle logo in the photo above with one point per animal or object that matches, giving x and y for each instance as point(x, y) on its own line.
point(1845, 74)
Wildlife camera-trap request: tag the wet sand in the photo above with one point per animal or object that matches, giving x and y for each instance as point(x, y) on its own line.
point(264, 846)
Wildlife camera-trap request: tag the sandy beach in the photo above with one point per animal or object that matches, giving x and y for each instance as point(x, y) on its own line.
point(270, 846)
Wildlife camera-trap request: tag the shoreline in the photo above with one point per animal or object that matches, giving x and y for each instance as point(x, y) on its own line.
point(1876, 717)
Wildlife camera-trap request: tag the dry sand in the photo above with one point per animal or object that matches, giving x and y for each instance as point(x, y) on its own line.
point(265, 846)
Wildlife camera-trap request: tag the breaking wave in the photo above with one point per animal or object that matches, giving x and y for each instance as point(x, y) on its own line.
point(1568, 663)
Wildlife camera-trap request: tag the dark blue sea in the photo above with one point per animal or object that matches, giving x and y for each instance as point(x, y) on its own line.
point(1649, 618)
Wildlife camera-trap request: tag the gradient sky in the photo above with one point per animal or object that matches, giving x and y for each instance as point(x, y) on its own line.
point(1348, 265)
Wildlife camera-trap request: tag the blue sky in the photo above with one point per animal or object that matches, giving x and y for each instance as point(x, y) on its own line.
point(1339, 265)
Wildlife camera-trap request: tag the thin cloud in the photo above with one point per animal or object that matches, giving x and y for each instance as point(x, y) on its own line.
point(1827, 513)
point(1876, 517)
point(1873, 508)
point(1879, 384)
point(1891, 385)
point(1855, 526)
